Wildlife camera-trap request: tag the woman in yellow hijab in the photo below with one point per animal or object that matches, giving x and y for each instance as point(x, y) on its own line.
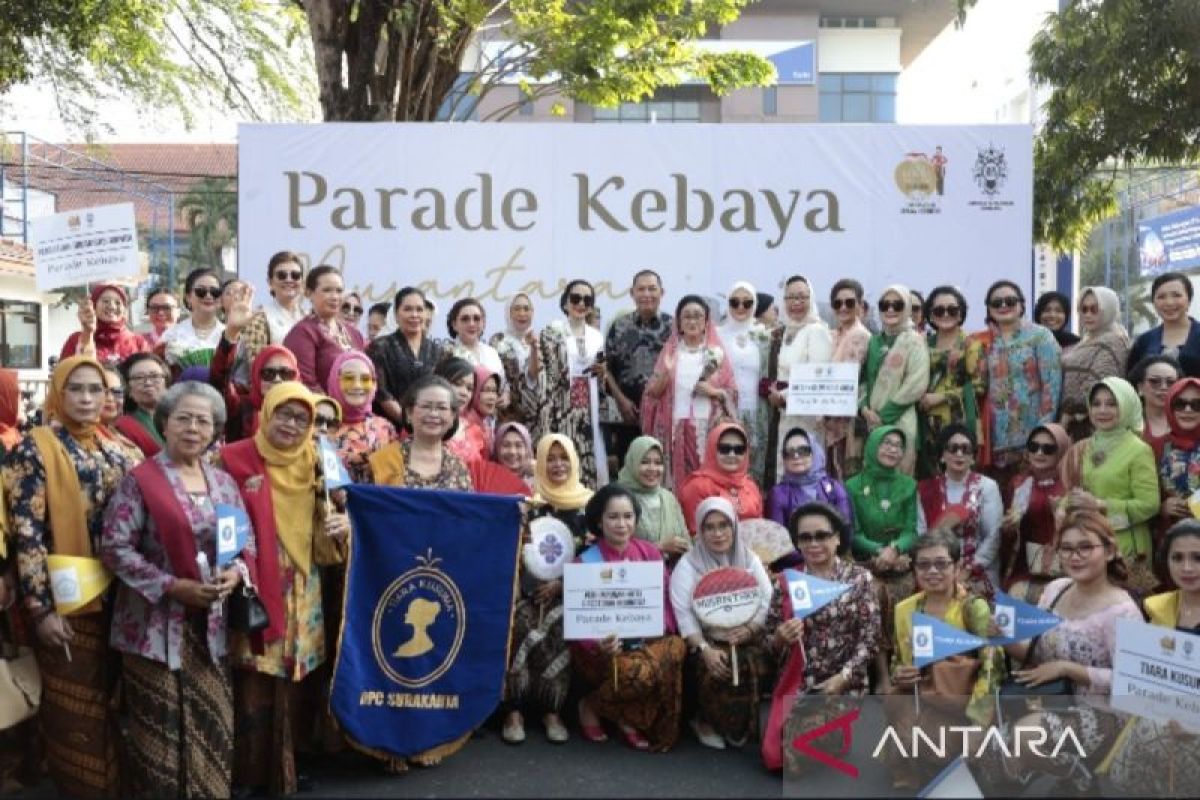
point(57, 481)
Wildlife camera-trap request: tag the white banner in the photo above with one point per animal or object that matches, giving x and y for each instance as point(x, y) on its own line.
point(1156, 673)
point(87, 245)
point(823, 390)
point(491, 210)
point(621, 597)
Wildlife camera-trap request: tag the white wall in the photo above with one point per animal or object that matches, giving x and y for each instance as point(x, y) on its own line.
point(859, 50)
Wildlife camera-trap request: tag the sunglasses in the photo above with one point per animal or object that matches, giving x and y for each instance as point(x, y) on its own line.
point(272, 374)
point(289, 275)
point(1183, 404)
point(355, 380)
point(574, 298)
point(936, 565)
point(960, 449)
point(944, 311)
point(1008, 301)
point(206, 291)
point(1046, 449)
point(849, 302)
point(891, 305)
point(160, 309)
point(815, 536)
point(799, 451)
point(731, 449)
point(1090, 308)
point(741, 304)
point(352, 310)
point(323, 421)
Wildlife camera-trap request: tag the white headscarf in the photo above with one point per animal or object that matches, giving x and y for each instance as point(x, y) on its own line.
point(732, 325)
point(906, 323)
point(791, 326)
point(704, 560)
point(1110, 314)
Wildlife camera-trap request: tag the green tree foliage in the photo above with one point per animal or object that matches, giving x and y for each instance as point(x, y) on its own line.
point(210, 210)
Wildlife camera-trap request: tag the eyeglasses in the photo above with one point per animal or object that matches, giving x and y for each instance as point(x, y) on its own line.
point(297, 418)
point(115, 302)
point(356, 379)
point(891, 444)
point(960, 449)
point(323, 421)
point(575, 298)
point(352, 310)
point(206, 291)
point(945, 311)
point(891, 305)
point(160, 308)
point(933, 565)
point(741, 304)
point(815, 536)
point(289, 275)
point(1008, 301)
point(1045, 448)
point(272, 374)
point(799, 451)
point(1090, 308)
point(848, 302)
point(148, 378)
point(1183, 404)
point(1083, 550)
point(731, 449)
point(1159, 382)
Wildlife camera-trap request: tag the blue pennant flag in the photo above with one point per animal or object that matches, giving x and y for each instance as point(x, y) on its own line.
point(429, 600)
point(810, 594)
point(332, 467)
point(934, 640)
point(1019, 621)
point(233, 531)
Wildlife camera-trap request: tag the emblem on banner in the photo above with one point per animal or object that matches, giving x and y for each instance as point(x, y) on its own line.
point(919, 179)
point(990, 173)
point(418, 625)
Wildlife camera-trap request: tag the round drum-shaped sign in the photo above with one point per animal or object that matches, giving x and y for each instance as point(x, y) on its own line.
point(550, 547)
point(726, 598)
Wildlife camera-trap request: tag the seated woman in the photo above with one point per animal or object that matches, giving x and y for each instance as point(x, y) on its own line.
point(660, 519)
point(967, 503)
point(804, 480)
point(830, 652)
point(513, 449)
point(723, 473)
point(146, 378)
point(1113, 471)
point(726, 713)
point(636, 684)
point(540, 669)
point(964, 685)
point(1031, 561)
point(1080, 651)
point(168, 620)
point(1152, 758)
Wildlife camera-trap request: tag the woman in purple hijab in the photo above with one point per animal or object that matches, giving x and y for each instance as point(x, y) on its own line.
point(804, 480)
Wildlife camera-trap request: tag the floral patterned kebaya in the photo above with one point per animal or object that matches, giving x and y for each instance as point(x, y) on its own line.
point(1023, 376)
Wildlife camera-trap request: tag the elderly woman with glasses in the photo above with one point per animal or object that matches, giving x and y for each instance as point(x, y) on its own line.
point(955, 363)
point(162, 309)
point(146, 377)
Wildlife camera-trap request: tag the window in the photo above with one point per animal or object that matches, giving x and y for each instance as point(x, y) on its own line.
point(858, 22)
point(459, 104)
point(857, 97)
point(770, 101)
point(680, 104)
point(20, 335)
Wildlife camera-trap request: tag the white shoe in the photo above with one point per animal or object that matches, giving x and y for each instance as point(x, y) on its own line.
point(513, 731)
point(707, 738)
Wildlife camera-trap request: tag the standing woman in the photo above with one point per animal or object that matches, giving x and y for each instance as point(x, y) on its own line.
point(895, 374)
point(955, 363)
point(162, 309)
point(850, 342)
point(193, 341)
point(804, 480)
point(1029, 527)
point(352, 384)
point(724, 473)
point(404, 355)
point(517, 347)
point(351, 310)
point(1153, 378)
point(1101, 353)
point(276, 473)
point(1053, 312)
point(57, 482)
point(146, 376)
point(279, 312)
point(802, 339)
point(1113, 472)
point(572, 362)
point(1023, 375)
point(104, 328)
point(539, 673)
point(273, 365)
point(322, 336)
point(1179, 334)
point(692, 389)
point(465, 323)
point(168, 619)
point(745, 342)
point(110, 412)
point(660, 518)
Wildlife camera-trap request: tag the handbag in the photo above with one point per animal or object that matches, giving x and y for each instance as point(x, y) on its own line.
point(20, 682)
point(247, 614)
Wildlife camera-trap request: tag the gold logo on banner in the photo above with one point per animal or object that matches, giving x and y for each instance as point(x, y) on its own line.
point(419, 624)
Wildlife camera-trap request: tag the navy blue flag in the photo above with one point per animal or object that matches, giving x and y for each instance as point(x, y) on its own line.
point(934, 640)
point(429, 601)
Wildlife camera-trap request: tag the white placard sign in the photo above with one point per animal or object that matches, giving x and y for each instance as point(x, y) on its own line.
point(87, 245)
point(621, 597)
point(491, 210)
point(823, 390)
point(1156, 673)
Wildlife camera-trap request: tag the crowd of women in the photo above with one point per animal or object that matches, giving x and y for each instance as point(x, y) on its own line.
point(1023, 458)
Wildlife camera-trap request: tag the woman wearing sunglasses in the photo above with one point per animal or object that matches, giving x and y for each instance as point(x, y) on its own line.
point(573, 371)
point(193, 341)
point(466, 323)
point(955, 364)
point(1101, 353)
point(745, 341)
point(724, 473)
point(274, 364)
point(1023, 376)
point(896, 373)
point(1153, 378)
point(850, 342)
point(1179, 468)
point(1031, 562)
point(352, 309)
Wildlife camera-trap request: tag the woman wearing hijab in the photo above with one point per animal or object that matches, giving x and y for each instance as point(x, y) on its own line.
point(850, 342)
point(539, 673)
point(513, 449)
point(67, 466)
point(480, 413)
point(725, 473)
point(804, 480)
point(278, 477)
point(692, 389)
point(1113, 472)
point(745, 342)
point(1101, 353)
point(660, 518)
point(1030, 523)
point(1053, 312)
point(726, 713)
point(895, 374)
point(1179, 469)
point(802, 339)
point(517, 346)
point(351, 384)
point(11, 415)
point(103, 328)
point(273, 365)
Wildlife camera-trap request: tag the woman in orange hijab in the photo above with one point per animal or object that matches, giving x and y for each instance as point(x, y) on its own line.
point(723, 473)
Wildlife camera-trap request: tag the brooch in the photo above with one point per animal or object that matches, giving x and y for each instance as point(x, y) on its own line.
point(866, 491)
point(885, 504)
